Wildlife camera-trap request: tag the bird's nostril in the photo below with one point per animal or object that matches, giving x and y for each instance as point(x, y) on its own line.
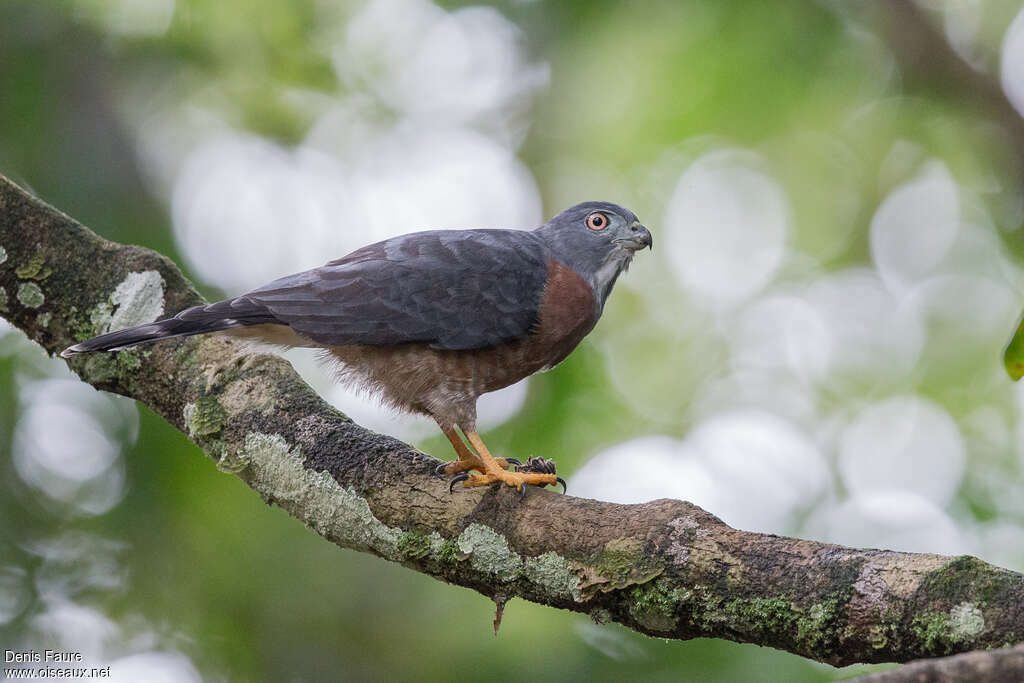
point(634, 228)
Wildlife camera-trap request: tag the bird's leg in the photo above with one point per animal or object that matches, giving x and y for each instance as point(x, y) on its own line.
point(468, 460)
point(493, 472)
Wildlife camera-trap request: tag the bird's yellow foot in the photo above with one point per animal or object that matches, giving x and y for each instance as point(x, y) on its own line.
point(516, 480)
point(472, 463)
point(468, 460)
point(536, 471)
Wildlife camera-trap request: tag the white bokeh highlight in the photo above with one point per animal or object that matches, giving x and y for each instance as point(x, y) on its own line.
point(967, 317)
point(915, 227)
point(874, 339)
point(725, 226)
point(961, 21)
point(154, 667)
point(1002, 543)
point(78, 464)
point(894, 520)
point(70, 570)
point(755, 470)
point(904, 443)
point(669, 469)
point(75, 627)
point(76, 563)
point(130, 18)
point(461, 67)
point(767, 467)
point(409, 180)
point(71, 626)
point(782, 332)
point(1012, 63)
point(247, 211)
point(777, 391)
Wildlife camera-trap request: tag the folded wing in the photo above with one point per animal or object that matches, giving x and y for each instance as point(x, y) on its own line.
point(451, 289)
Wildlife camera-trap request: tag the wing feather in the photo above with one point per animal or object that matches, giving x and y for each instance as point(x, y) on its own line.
point(452, 289)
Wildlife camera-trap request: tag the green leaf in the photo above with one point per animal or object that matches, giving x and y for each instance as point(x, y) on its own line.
point(1013, 356)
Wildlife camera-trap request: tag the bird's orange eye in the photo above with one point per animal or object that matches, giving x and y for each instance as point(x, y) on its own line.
point(597, 221)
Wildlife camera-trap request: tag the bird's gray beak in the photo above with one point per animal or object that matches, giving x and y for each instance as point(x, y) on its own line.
point(646, 239)
point(640, 238)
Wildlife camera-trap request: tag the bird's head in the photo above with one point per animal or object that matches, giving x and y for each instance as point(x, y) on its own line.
point(597, 240)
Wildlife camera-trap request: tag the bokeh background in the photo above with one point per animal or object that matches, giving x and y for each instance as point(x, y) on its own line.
point(814, 347)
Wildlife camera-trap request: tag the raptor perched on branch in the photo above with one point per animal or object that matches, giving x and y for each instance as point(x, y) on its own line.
point(432, 320)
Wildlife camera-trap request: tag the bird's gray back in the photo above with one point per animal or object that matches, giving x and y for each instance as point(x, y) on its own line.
point(451, 289)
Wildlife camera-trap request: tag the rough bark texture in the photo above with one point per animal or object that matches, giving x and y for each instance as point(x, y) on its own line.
point(1005, 665)
point(664, 568)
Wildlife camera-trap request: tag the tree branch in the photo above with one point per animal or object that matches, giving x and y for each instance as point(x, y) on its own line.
point(995, 666)
point(664, 568)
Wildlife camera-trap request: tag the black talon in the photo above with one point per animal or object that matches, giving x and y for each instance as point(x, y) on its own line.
point(513, 461)
point(562, 482)
point(440, 468)
point(456, 479)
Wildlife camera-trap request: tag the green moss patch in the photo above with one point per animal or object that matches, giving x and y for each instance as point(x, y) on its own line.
point(657, 607)
point(414, 544)
point(622, 562)
point(205, 417)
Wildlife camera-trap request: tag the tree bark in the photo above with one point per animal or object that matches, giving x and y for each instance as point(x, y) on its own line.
point(664, 568)
point(1005, 665)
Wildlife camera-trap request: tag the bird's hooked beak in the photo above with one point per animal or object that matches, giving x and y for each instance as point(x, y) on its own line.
point(640, 237)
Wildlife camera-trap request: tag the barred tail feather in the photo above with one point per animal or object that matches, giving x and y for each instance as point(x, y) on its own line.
point(223, 315)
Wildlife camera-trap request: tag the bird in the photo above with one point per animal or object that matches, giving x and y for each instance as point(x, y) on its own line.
point(431, 320)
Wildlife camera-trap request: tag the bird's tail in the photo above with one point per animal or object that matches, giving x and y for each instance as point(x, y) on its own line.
point(223, 315)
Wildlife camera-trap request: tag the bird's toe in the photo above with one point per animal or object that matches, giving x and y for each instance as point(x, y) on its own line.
point(544, 470)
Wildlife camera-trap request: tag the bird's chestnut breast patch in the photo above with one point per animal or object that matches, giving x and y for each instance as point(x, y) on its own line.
point(567, 308)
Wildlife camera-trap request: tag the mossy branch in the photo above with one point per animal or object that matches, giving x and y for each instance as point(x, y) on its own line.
point(1005, 665)
point(664, 568)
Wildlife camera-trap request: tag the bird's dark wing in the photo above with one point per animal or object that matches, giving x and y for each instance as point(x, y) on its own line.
point(452, 289)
